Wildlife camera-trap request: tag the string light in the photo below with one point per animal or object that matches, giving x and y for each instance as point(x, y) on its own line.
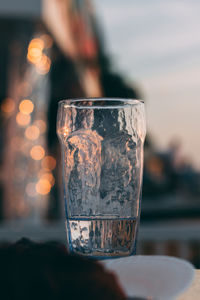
point(37, 152)
point(32, 132)
point(35, 49)
point(43, 65)
point(49, 177)
point(43, 187)
point(36, 56)
point(23, 120)
point(26, 106)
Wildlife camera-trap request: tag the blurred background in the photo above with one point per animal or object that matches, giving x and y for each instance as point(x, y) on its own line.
point(52, 50)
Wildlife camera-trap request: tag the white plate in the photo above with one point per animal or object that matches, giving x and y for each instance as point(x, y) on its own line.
point(159, 277)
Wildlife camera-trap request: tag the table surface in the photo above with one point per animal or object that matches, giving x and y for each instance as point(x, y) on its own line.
point(193, 292)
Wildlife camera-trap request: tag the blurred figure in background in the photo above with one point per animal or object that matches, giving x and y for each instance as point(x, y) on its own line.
point(61, 56)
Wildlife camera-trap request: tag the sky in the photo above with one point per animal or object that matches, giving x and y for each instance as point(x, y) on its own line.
point(155, 44)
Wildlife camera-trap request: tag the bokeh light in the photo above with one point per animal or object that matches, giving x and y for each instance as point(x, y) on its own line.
point(41, 125)
point(23, 120)
point(26, 106)
point(37, 152)
point(43, 65)
point(36, 56)
point(35, 50)
point(32, 132)
point(8, 106)
point(48, 163)
point(31, 189)
point(43, 187)
point(47, 176)
point(36, 43)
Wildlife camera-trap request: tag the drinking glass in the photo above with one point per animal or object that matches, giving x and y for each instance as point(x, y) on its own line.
point(102, 160)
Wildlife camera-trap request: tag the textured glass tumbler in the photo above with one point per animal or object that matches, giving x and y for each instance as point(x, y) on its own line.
point(102, 160)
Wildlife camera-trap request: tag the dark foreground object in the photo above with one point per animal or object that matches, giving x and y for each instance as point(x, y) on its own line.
point(30, 270)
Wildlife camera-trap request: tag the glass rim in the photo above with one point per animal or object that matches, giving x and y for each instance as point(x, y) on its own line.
point(120, 102)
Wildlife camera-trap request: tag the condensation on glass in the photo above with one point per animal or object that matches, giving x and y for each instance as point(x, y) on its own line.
point(102, 160)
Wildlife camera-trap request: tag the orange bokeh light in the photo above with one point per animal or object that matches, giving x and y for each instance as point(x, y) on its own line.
point(35, 50)
point(32, 132)
point(36, 43)
point(26, 106)
point(23, 120)
point(41, 125)
point(37, 152)
point(43, 65)
point(36, 56)
point(8, 106)
point(49, 177)
point(43, 187)
point(49, 163)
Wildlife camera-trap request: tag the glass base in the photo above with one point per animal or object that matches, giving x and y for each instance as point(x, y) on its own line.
point(102, 238)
